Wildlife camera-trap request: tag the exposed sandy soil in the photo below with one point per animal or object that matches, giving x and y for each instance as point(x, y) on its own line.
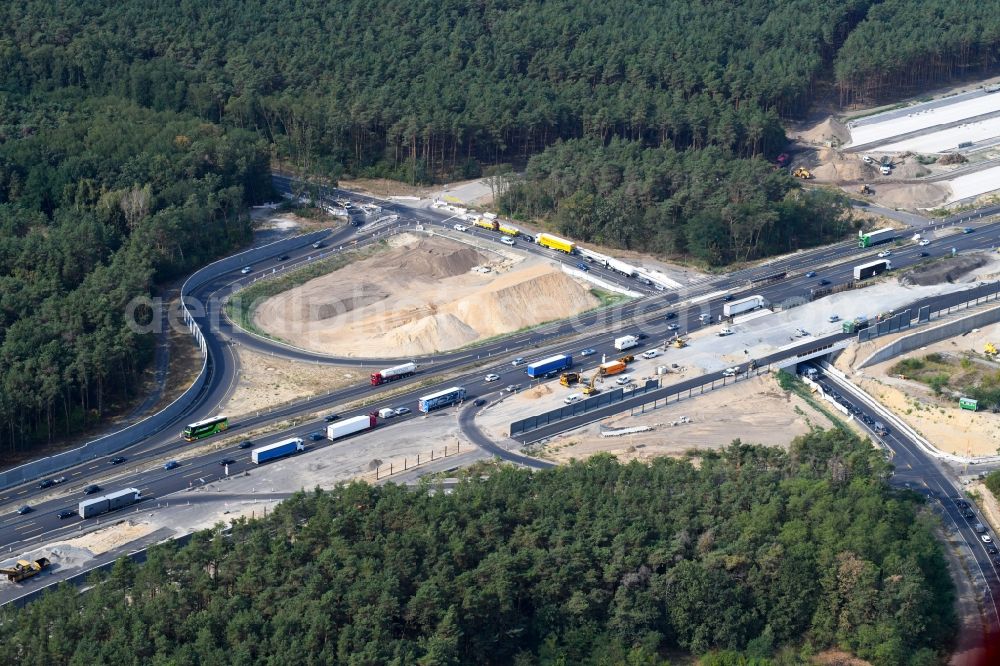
point(777, 418)
point(918, 195)
point(949, 270)
point(422, 296)
point(838, 658)
point(267, 381)
point(383, 187)
point(828, 130)
point(938, 419)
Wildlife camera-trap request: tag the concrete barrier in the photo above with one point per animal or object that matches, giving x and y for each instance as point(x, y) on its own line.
point(135, 433)
point(928, 336)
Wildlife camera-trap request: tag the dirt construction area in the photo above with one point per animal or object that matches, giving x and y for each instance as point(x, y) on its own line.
point(267, 381)
point(936, 417)
point(703, 422)
point(423, 294)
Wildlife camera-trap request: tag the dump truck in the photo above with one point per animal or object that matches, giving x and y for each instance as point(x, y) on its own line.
point(351, 426)
point(871, 269)
point(611, 368)
point(449, 396)
point(626, 342)
point(25, 569)
point(492, 225)
point(277, 450)
point(567, 379)
point(556, 243)
point(110, 502)
point(393, 373)
point(511, 231)
point(743, 305)
point(875, 237)
point(549, 365)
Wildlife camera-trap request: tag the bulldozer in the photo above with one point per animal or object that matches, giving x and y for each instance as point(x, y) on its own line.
point(803, 173)
point(990, 350)
point(591, 388)
point(866, 189)
point(679, 342)
point(567, 379)
point(25, 569)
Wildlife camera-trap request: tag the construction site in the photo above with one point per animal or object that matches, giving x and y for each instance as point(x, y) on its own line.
point(928, 154)
point(423, 294)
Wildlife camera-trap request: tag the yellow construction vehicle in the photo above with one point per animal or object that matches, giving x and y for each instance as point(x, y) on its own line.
point(866, 189)
point(627, 358)
point(25, 569)
point(679, 343)
point(590, 388)
point(803, 173)
point(990, 350)
point(567, 379)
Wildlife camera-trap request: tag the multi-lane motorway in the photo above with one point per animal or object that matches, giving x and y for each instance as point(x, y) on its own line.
point(591, 330)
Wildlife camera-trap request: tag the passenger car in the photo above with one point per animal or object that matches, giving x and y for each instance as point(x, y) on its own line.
point(492, 377)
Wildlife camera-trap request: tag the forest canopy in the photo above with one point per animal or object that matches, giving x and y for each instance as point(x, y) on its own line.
point(753, 549)
point(433, 89)
point(100, 199)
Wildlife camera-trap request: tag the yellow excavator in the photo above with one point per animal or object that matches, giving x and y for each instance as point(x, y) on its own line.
point(990, 350)
point(628, 358)
point(591, 388)
point(567, 379)
point(25, 569)
point(803, 173)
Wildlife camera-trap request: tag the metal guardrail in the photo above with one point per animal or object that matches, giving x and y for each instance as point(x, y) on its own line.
point(116, 441)
point(598, 401)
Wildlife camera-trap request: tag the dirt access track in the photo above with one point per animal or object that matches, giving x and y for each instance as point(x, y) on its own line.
point(421, 295)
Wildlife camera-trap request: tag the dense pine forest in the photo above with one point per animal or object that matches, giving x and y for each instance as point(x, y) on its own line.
point(764, 553)
point(99, 200)
point(634, 124)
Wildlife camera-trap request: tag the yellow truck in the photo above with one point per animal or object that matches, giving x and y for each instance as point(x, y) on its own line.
point(556, 243)
point(25, 569)
point(492, 225)
point(513, 232)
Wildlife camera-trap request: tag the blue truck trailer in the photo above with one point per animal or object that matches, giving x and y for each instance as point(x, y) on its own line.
point(277, 450)
point(441, 399)
point(550, 365)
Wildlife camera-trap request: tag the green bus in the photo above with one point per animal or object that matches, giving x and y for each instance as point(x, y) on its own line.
point(205, 428)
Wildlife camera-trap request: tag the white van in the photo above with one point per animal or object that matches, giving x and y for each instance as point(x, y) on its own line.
point(624, 379)
point(571, 398)
point(507, 240)
point(386, 413)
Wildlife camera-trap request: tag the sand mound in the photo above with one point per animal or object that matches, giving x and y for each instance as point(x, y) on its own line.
point(911, 170)
point(420, 298)
point(830, 130)
point(923, 195)
point(836, 167)
point(537, 392)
